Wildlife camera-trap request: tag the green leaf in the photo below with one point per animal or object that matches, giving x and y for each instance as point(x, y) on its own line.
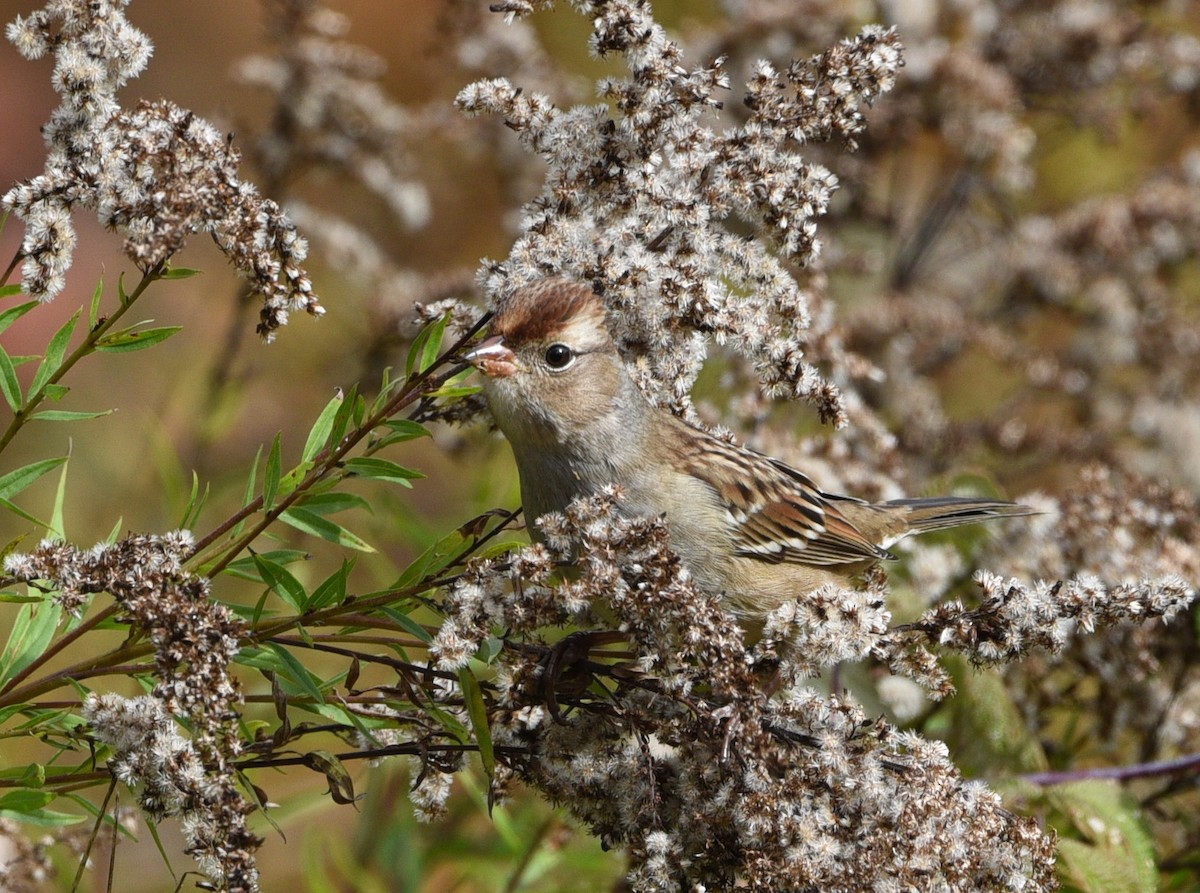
point(453, 392)
point(128, 340)
point(195, 505)
point(382, 470)
point(16, 481)
point(312, 523)
point(9, 384)
point(400, 430)
point(64, 415)
point(7, 291)
point(246, 569)
point(318, 437)
point(332, 502)
point(178, 273)
point(1093, 869)
point(331, 590)
point(55, 351)
point(282, 583)
point(43, 818)
point(295, 672)
point(1121, 857)
point(12, 314)
point(408, 624)
point(25, 800)
point(21, 513)
point(425, 348)
point(477, 711)
point(432, 560)
point(94, 309)
point(58, 524)
point(31, 633)
point(56, 391)
point(350, 406)
point(271, 475)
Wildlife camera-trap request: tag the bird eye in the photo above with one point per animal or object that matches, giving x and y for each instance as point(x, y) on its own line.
point(559, 356)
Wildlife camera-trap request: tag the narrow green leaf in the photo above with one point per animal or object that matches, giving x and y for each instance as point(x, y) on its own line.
point(122, 295)
point(179, 273)
point(312, 523)
point(425, 347)
point(318, 437)
point(12, 314)
point(453, 392)
point(408, 624)
point(21, 513)
point(295, 673)
point(283, 557)
point(42, 818)
point(345, 413)
point(294, 478)
point(55, 351)
point(16, 481)
point(196, 503)
point(477, 711)
point(11, 598)
point(282, 583)
point(333, 502)
point(58, 524)
point(7, 291)
point(382, 470)
point(128, 340)
point(431, 560)
point(400, 430)
point(31, 633)
point(9, 384)
point(271, 475)
point(94, 309)
point(64, 415)
point(331, 590)
point(25, 800)
point(433, 344)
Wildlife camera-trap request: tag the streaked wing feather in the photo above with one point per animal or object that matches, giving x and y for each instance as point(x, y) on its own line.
point(779, 515)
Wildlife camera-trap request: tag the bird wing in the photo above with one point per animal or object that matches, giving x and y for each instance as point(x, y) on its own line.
point(778, 515)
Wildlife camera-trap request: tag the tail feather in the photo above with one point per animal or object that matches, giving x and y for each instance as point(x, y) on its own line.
point(939, 512)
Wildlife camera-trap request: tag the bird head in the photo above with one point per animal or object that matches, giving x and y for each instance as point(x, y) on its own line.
point(551, 369)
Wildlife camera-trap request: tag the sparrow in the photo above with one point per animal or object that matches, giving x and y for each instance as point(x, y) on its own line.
point(749, 528)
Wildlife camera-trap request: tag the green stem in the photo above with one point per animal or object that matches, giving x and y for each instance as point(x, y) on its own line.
point(86, 347)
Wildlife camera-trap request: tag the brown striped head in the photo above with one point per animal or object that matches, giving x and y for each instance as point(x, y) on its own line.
point(549, 322)
point(553, 377)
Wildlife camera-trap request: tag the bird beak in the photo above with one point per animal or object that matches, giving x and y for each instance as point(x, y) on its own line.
point(493, 358)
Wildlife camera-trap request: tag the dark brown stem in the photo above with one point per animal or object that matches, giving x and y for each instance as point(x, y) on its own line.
point(1177, 766)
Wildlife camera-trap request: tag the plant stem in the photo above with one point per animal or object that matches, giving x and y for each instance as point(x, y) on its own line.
point(86, 347)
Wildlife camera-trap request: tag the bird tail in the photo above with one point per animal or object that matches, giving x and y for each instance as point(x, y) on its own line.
point(940, 512)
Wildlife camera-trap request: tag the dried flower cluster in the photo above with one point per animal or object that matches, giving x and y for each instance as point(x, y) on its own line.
point(194, 640)
point(157, 173)
point(641, 202)
point(687, 763)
